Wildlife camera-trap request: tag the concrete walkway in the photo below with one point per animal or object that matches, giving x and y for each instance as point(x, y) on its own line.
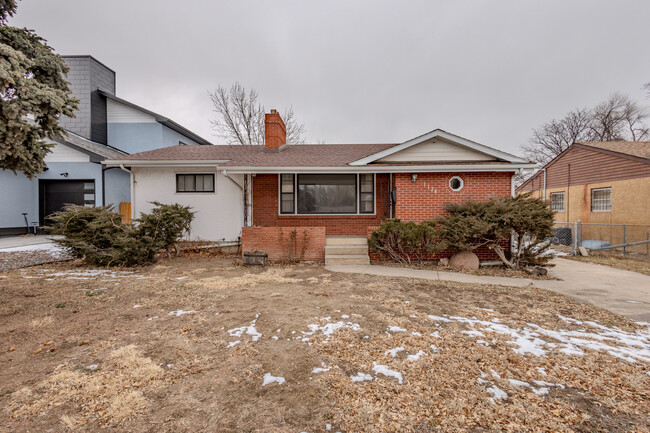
point(619, 291)
point(24, 241)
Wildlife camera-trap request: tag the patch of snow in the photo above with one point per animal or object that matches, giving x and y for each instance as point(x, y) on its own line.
point(275, 337)
point(634, 302)
point(495, 374)
point(435, 348)
point(361, 377)
point(328, 427)
point(178, 313)
point(416, 334)
point(416, 356)
point(344, 316)
point(515, 382)
point(92, 367)
point(324, 367)
point(137, 306)
point(435, 334)
point(382, 369)
point(438, 318)
point(541, 371)
point(473, 333)
point(394, 352)
point(233, 344)
point(329, 328)
point(482, 342)
point(396, 329)
point(497, 393)
point(248, 330)
point(269, 378)
point(152, 318)
point(629, 346)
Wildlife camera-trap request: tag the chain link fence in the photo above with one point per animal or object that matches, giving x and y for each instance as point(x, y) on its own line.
point(629, 240)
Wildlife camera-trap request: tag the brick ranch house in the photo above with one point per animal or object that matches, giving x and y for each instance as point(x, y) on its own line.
point(333, 194)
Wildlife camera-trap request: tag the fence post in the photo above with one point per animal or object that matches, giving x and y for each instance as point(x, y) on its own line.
point(624, 242)
point(575, 238)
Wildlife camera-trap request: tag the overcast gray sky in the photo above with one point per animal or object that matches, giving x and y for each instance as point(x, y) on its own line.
point(364, 71)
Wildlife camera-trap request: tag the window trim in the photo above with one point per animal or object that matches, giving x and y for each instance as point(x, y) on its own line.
point(607, 188)
point(462, 183)
point(214, 182)
point(563, 201)
point(358, 192)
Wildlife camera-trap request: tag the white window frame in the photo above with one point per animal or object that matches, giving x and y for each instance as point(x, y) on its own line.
point(295, 197)
point(462, 183)
point(609, 209)
point(563, 201)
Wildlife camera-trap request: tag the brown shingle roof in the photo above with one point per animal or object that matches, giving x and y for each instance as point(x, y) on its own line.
point(294, 155)
point(640, 149)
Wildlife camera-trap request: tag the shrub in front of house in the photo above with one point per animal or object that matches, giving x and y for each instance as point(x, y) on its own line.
point(98, 235)
point(474, 224)
point(406, 241)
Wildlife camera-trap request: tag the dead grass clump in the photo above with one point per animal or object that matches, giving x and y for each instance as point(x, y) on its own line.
point(271, 275)
point(40, 322)
point(112, 393)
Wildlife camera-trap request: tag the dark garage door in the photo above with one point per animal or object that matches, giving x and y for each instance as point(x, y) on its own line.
point(55, 194)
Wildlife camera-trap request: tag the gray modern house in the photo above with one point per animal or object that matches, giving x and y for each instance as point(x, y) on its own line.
point(105, 127)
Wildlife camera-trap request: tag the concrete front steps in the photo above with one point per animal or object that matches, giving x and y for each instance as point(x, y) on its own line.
point(346, 250)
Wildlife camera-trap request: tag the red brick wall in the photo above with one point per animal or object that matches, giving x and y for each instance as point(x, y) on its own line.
point(275, 241)
point(265, 209)
point(425, 199)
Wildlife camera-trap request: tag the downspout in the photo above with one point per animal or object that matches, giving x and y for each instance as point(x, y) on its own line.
point(132, 179)
point(544, 183)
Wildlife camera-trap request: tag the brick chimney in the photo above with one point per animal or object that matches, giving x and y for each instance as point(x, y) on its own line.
point(275, 133)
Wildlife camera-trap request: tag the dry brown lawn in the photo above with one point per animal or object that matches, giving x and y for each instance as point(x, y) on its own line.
point(629, 264)
point(186, 345)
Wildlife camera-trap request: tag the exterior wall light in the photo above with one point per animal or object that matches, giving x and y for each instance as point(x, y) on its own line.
point(414, 177)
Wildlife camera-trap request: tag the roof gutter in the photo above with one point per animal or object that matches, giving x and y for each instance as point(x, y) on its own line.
point(163, 163)
point(384, 169)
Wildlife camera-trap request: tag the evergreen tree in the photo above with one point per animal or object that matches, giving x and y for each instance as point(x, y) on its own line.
point(34, 94)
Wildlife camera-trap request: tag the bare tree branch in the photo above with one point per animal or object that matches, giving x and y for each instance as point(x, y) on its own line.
point(240, 117)
point(618, 118)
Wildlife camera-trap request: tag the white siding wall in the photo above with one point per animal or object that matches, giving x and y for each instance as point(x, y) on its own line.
point(120, 113)
point(436, 150)
point(63, 153)
point(219, 215)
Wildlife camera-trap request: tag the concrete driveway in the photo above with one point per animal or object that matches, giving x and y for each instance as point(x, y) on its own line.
point(622, 292)
point(619, 291)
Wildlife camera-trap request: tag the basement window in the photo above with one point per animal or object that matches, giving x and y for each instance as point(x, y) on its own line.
point(601, 200)
point(195, 182)
point(557, 201)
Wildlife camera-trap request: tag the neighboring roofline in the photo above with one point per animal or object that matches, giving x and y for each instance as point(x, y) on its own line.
point(96, 151)
point(159, 118)
point(614, 153)
point(583, 146)
point(84, 56)
point(447, 136)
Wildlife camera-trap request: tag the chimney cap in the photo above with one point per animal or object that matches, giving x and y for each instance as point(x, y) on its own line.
point(274, 111)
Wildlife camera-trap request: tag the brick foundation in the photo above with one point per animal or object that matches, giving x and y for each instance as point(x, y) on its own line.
point(276, 242)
